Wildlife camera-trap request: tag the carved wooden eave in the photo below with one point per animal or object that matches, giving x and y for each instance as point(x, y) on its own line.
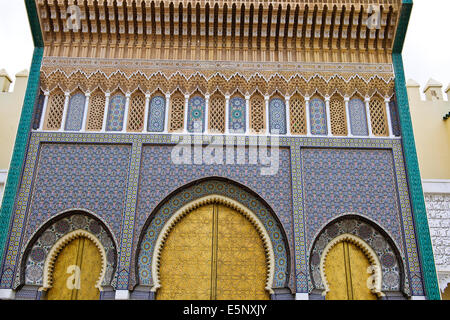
point(252, 30)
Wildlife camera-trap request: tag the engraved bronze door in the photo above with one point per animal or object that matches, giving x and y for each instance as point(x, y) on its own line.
point(77, 269)
point(346, 271)
point(214, 252)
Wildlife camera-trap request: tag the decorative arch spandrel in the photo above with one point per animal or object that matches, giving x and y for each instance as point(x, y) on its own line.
point(376, 244)
point(43, 247)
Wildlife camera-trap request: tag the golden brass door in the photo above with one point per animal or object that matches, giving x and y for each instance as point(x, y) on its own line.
point(346, 271)
point(213, 253)
point(77, 269)
point(446, 293)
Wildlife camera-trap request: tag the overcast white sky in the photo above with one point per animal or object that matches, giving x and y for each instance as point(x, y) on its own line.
point(426, 53)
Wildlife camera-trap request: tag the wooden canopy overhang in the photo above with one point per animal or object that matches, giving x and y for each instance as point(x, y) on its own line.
point(253, 30)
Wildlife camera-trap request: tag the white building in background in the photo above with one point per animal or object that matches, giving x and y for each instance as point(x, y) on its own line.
point(431, 123)
point(11, 102)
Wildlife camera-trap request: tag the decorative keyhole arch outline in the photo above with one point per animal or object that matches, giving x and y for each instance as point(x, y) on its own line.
point(210, 199)
point(374, 269)
point(59, 246)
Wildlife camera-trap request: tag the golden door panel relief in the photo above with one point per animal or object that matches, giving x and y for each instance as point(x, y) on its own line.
point(346, 271)
point(185, 267)
point(77, 269)
point(241, 258)
point(213, 253)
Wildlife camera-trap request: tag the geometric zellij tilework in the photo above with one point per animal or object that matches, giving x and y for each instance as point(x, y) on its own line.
point(159, 177)
point(342, 181)
point(125, 179)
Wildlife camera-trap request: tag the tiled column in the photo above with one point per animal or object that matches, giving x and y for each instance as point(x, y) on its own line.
point(186, 112)
point(388, 117)
point(44, 110)
point(308, 119)
point(105, 114)
point(369, 122)
point(125, 116)
point(247, 114)
point(166, 116)
point(288, 117)
point(86, 106)
point(128, 225)
point(206, 128)
point(146, 111)
point(266, 100)
point(227, 114)
point(64, 115)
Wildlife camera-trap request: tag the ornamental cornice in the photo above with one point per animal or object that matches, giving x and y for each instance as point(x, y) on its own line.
point(209, 68)
point(241, 30)
point(168, 81)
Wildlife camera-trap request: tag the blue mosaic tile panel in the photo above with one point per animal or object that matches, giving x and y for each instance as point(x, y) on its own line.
point(116, 113)
point(196, 114)
point(121, 282)
point(130, 230)
point(277, 116)
point(318, 117)
point(343, 181)
point(412, 183)
point(358, 117)
point(82, 176)
point(156, 114)
point(75, 112)
point(237, 121)
point(17, 168)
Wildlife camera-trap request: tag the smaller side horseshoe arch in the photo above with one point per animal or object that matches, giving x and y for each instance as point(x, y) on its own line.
point(59, 245)
point(394, 277)
point(185, 210)
point(374, 281)
point(38, 248)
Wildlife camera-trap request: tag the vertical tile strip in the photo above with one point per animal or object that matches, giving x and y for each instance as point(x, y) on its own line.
point(20, 146)
point(127, 229)
point(301, 267)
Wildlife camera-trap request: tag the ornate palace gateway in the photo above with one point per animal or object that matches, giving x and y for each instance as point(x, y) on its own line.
point(97, 208)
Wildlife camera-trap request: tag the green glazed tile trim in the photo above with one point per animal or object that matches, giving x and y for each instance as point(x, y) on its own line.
point(23, 131)
point(34, 23)
point(412, 165)
point(403, 22)
point(415, 184)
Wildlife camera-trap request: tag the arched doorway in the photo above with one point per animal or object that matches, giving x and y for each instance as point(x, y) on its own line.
point(346, 270)
point(77, 268)
point(55, 239)
point(353, 251)
point(213, 252)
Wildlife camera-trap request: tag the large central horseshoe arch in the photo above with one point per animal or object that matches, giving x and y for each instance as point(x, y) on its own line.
point(180, 203)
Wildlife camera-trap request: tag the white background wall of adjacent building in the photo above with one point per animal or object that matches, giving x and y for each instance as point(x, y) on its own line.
point(437, 199)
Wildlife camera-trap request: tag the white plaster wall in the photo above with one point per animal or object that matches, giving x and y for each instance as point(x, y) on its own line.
point(438, 211)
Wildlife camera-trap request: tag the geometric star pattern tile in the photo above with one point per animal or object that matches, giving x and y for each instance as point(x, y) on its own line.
point(86, 176)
